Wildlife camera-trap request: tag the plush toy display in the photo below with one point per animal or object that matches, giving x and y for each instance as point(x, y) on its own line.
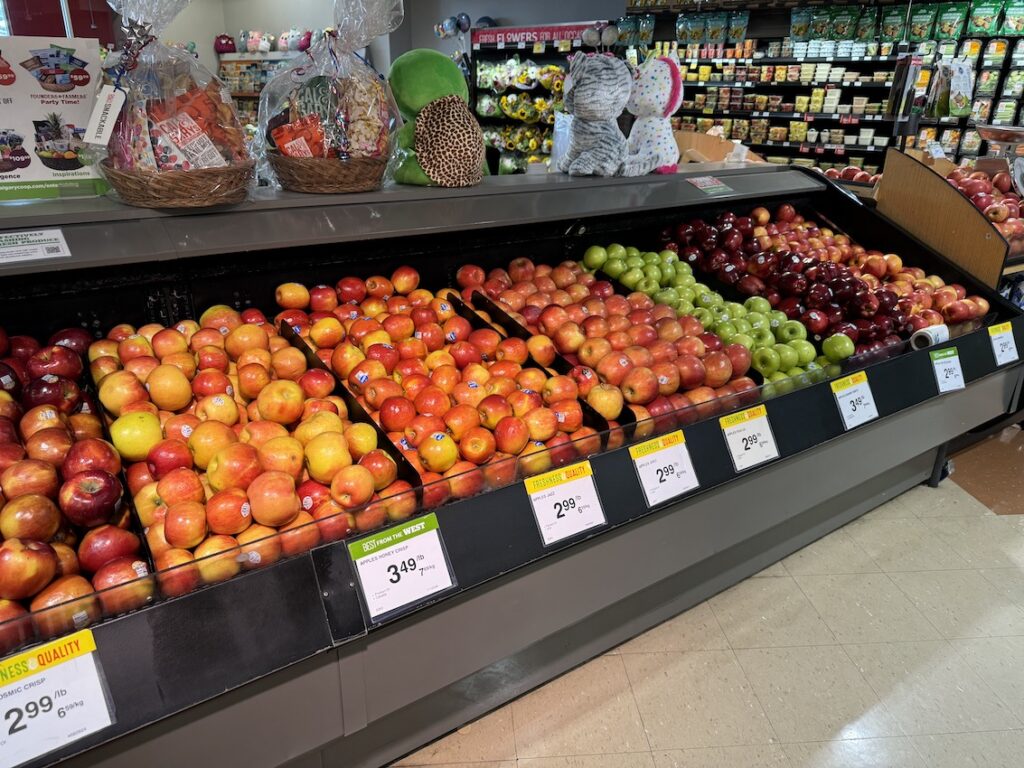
point(441, 143)
point(224, 44)
point(657, 94)
point(597, 90)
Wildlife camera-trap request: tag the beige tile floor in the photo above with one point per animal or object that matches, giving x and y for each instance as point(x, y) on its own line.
point(895, 642)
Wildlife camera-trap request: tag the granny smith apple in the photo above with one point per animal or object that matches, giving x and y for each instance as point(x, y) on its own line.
point(833, 370)
point(765, 361)
point(666, 296)
point(616, 251)
point(791, 330)
point(778, 316)
point(742, 325)
point(685, 293)
point(631, 277)
point(668, 273)
point(684, 307)
point(783, 384)
point(704, 315)
point(705, 299)
point(763, 337)
point(683, 281)
point(787, 356)
point(595, 257)
point(669, 257)
point(757, 304)
point(735, 309)
point(614, 268)
point(648, 285)
point(683, 268)
point(631, 251)
point(725, 330)
point(768, 391)
point(757, 319)
point(821, 360)
point(635, 261)
point(745, 339)
point(805, 351)
point(651, 258)
point(815, 372)
point(837, 347)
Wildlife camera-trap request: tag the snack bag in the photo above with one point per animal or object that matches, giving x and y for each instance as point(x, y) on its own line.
point(1013, 18)
point(922, 20)
point(738, 21)
point(821, 23)
point(177, 116)
point(330, 101)
point(843, 25)
point(984, 18)
point(717, 27)
point(950, 20)
point(867, 25)
point(961, 88)
point(893, 20)
point(800, 24)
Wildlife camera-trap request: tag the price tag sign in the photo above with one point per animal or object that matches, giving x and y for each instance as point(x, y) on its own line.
point(501, 45)
point(564, 46)
point(664, 468)
point(38, 245)
point(948, 373)
point(935, 150)
point(565, 502)
point(709, 185)
point(855, 400)
point(401, 566)
point(749, 437)
point(539, 46)
point(51, 696)
point(1004, 346)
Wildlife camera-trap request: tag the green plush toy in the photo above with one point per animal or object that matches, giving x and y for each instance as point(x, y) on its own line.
point(441, 142)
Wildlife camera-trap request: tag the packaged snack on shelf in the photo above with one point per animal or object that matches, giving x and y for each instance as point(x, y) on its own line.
point(922, 20)
point(331, 85)
point(981, 109)
point(867, 25)
point(844, 23)
point(893, 19)
point(1013, 18)
point(177, 142)
point(950, 140)
point(1004, 112)
point(645, 30)
point(821, 23)
point(961, 87)
point(717, 28)
point(800, 24)
point(950, 20)
point(970, 49)
point(1014, 83)
point(995, 52)
point(695, 26)
point(738, 21)
point(988, 82)
point(970, 143)
point(938, 104)
point(681, 32)
point(984, 18)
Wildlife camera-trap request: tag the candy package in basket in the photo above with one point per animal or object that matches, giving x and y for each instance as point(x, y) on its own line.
point(177, 141)
point(326, 122)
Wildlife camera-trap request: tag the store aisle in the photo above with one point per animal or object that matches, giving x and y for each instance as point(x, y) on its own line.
point(894, 642)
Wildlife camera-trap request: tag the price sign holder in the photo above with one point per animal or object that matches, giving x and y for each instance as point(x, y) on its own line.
point(51, 696)
point(855, 399)
point(748, 435)
point(565, 502)
point(1004, 346)
point(949, 376)
point(401, 567)
point(664, 468)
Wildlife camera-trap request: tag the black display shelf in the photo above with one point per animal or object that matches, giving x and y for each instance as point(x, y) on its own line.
point(855, 85)
point(808, 148)
point(794, 60)
point(805, 116)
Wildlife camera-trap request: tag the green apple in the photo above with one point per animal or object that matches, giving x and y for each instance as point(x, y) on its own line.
point(704, 315)
point(837, 347)
point(725, 330)
point(614, 268)
point(634, 262)
point(631, 251)
point(653, 272)
point(757, 319)
point(700, 288)
point(631, 277)
point(787, 356)
point(666, 296)
point(595, 257)
point(763, 337)
point(721, 314)
point(799, 377)
point(668, 257)
point(684, 307)
point(778, 316)
point(742, 326)
point(745, 339)
point(685, 293)
point(682, 268)
point(758, 304)
point(651, 258)
point(736, 310)
point(805, 351)
point(705, 299)
point(668, 273)
point(783, 384)
point(616, 251)
point(765, 361)
point(822, 361)
point(815, 372)
point(648, 285)
point(833, 370)
point(768, 391)
point(791, 330)
point(683, 281)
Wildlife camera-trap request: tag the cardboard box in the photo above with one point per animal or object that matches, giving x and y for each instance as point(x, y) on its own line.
point(702, 148)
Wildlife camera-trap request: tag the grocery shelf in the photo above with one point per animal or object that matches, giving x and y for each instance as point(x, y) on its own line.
point(776, 84)
point(806, 116)
point(807, 147)
point(792, 60)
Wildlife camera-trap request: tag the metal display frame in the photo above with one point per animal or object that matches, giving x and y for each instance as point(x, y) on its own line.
point(192, 678)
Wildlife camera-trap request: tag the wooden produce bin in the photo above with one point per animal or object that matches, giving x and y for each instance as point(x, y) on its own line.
point(703, 148)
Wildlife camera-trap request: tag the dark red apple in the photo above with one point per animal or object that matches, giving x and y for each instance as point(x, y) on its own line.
point(75, 339)
point(101, 545)
point(60, 392)
point(90, 498)
point(23, 347)
point(56, 360)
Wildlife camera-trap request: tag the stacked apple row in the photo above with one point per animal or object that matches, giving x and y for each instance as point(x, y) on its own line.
point(995, 197)
point(63, 528)
point(237, 451)
point(468, 408)
point(832, 285)
point(622, 351)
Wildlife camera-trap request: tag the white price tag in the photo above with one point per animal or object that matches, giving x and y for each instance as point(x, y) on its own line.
point(565, 502)
point(664, 468)
point(401, 565)
point(1004, 346)
point(38, 245)
point(855, 400)
point(501, 45)
point(935, 150)
point(51, 696)
point(948, 373)
point(749, 437)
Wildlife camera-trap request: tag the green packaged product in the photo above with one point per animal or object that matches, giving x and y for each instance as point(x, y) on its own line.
point(984, 18)
point(922, 19)
point(716, 30)
point(949, 22)
point(844, 23)
point(960, 88)
point(821, 23)
point(1013, 18)
point(988, 82)
point(800, 24)
point(645, 30)
point(693, 25)
point(681, 36)
point(1014, 83)
point(867, 25)
point(892, 24)
point(738, 21)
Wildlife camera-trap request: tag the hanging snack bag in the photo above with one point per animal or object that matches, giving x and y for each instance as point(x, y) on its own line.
point(800, 24)
point(681, 35)
point(333, 92)
point(645, 30)
point(843, 24)
point(950, 20)
point(717, 28)
point(821, 23)
point(867, 25)
point(893, 19)
point(738, 21)
point(984, 18)
point(1013, 18)
point(922, 20)
point(177, 141)
point(961, 87)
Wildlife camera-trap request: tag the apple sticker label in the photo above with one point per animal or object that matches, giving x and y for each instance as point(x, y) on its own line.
point(855, 399)
point(401, 566)
point(664, 468)
point(1004, 346)
point(565, 502)
point(748, 435)
point(948, 374)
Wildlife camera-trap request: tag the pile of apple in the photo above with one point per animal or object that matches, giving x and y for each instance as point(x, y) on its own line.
point(626, 352)
point(237, 452)
point(850, 173)
point(995, 197)
point(461, 403)
point(62, 521)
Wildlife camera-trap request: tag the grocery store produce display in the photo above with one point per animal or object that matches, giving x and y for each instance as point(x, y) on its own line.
point(994, 196)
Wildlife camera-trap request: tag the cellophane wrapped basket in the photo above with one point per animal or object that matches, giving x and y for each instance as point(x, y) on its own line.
point(178, 142)
point(325, 123)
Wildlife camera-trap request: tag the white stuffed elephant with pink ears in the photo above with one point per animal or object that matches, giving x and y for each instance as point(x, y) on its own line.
point(657, 95)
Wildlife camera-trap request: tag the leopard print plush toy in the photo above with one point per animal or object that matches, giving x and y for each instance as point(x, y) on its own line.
point(596, 92)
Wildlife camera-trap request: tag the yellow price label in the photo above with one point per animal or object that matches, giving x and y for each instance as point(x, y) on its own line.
point(732, 420)
point(840, 385)
point(999, 330)
point(558, 477)
point(46, 657)
point(640, 450)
